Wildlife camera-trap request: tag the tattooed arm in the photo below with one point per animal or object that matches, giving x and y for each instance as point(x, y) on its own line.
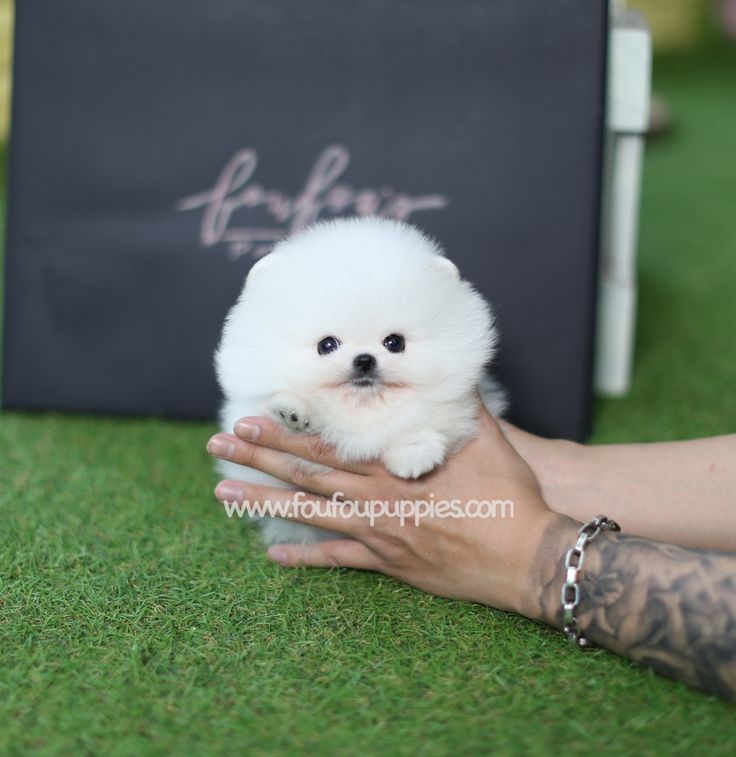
point(665, 607)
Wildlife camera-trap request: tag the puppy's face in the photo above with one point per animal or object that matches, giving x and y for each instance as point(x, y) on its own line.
point(351, 346)
point(360, 319)
point(363, 367)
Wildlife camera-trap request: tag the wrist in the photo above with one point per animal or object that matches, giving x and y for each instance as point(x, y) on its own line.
point(539, 598)
point(562, 468)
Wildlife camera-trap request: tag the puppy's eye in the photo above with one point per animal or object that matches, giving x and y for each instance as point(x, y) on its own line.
point(394, 343)
point(327, 345)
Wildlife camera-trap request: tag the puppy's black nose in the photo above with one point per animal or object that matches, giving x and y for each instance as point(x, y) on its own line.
point(364, 363)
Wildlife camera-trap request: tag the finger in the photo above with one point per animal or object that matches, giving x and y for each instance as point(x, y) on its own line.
point(498, 439)
point(487, 420)
point(266, 432)
point(285, 466)
point(337, 553)
point(297, 506)
point(505, 426)
point(490, 430)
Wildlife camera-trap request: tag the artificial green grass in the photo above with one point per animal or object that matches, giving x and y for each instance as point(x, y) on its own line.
point(136, 619)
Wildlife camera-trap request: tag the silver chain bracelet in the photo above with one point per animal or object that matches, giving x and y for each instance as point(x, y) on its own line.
point(573, 565)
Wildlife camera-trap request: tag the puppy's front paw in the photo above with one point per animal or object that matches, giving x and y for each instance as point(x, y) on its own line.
point(415, 456)
point(293, 412)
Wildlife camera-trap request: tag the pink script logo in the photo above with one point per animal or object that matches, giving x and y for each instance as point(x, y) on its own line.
point(234, 190)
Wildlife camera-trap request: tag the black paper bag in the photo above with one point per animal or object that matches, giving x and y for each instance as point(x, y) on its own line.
point(159, 148)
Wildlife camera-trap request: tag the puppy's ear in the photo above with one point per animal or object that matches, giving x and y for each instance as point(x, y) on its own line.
point(265, 263)
point(447, 265)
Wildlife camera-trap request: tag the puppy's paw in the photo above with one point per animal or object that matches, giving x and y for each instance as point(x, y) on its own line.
point(293, 411)
point(415, 455)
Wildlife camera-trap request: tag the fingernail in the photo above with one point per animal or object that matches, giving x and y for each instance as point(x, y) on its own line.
point(278, 555)
point(221, 447)
point(247, 430)
point(228, 491)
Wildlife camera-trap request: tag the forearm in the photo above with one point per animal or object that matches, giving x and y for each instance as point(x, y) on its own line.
point(665, 607)
point(679, 492)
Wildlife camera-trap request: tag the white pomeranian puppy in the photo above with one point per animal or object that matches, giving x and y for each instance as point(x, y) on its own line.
point(362, 331)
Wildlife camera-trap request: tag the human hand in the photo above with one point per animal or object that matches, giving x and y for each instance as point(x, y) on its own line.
point(488, 560)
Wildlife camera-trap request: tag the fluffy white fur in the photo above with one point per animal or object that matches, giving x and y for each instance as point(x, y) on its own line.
point(358, 280)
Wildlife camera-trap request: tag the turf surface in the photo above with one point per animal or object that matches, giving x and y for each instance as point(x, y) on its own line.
point(135, 618)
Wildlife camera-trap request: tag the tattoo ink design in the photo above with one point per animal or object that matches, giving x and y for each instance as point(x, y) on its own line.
point(668, 608)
